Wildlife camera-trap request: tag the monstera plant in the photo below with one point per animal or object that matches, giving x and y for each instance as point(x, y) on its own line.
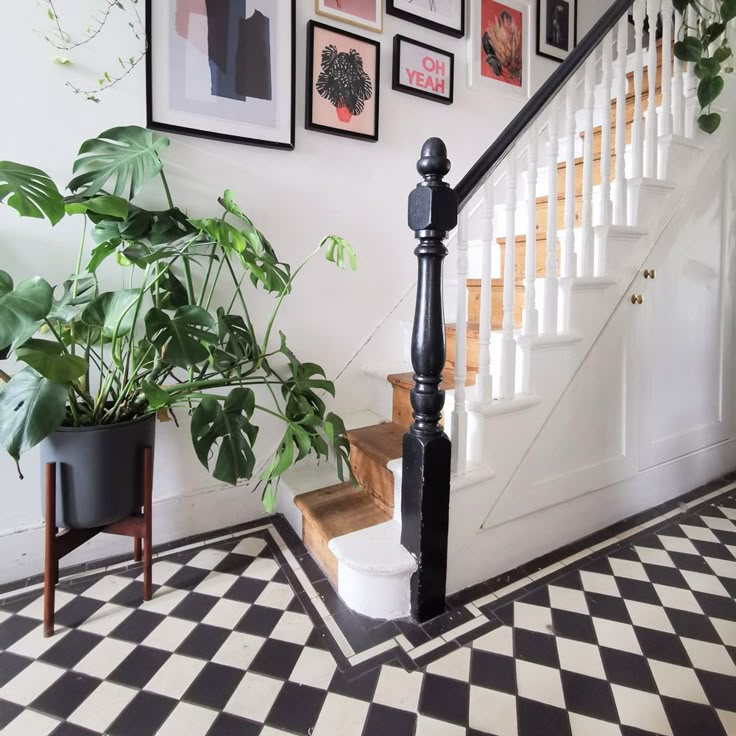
point(178, 334)
point(703, 42)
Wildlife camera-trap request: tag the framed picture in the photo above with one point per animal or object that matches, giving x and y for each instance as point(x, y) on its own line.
point(423, 70)
point(222, 70)
point(557, 28)
point(499, 46)
point(364, 13)
point(445, 16)
point(343, 78)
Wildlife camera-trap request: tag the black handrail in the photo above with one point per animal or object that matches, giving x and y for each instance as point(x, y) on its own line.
point(493, 156)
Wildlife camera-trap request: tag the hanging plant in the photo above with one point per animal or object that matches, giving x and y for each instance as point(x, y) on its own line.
point(344, 82)
point(703, 42)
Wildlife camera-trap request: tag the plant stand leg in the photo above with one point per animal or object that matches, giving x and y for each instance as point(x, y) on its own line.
point(51, 560)
point(147, 522)
point(137, 550)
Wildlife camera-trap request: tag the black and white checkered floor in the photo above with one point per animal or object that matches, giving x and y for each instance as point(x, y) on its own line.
point(631, 633)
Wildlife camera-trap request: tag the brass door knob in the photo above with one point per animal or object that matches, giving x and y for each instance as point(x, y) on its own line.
point(636, 299)
point(649, 273)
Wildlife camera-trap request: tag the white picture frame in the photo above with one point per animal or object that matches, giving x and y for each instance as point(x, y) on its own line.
point(482, 66)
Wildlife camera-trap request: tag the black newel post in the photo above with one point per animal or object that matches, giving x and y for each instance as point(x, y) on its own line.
point(425, 487)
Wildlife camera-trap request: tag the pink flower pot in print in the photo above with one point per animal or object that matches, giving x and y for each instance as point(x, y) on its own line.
point(343, 113)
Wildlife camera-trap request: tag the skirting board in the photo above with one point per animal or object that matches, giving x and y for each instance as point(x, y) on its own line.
point(498, 549)
point(174, 517)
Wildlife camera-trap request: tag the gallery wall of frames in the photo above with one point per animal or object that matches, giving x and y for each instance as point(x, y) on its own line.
point(227, 69)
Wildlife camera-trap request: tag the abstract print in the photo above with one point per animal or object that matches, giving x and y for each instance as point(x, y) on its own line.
point(501, 43)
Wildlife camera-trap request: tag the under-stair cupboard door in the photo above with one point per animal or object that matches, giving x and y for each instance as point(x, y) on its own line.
point(686, 373)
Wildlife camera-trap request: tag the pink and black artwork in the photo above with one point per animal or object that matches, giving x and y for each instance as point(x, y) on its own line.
point(423, 70)
point(364, 13)
point(342, 82)
point(223, 68)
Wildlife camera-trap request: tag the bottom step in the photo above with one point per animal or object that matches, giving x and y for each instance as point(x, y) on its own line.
point(333, 512)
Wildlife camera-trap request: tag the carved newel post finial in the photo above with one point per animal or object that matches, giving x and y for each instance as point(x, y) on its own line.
point(425, 497)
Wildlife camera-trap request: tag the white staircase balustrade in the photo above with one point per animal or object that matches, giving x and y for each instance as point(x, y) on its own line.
point(530, 316)
point(620, 216)
point(568, 262)
point(508, 342)
point(666, 122)
point(637, 133)
point(652, 127)
point(678, 87)
point(605, 117)
point(587, 249)
point(550, 277)
point(484, 381)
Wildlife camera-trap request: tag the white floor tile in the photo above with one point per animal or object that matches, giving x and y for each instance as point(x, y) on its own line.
point(431, 727)
point(616, 635)
point(29, 723)
point(498, 641)
point(169, 634)
point(216, 584)
point(226, 613)
point(106, 619)
point(642, 710)
point(341, 715)
point(276, 595)
point(251, 547)
point(537, 682)
point(107, 588)
point(699, 533)
point(398, 688)
point(723, 525)
point(293, 627)
point(649, 616)
point(102, 707)
point(710, 657)
point(726, 630)
point(314, 667)
point(492, 711)
point(678, 544)
point(188, 720)
point(34, 644)
point(629, 569)
point(262, 569)
point(208, 559)
point(455, 665)
point(654, 556)
point(595, 582)
point(104, 658)
point(722, 568)
point(677, 682)
point(678, 598)
point(238, 650)
point(175, 676)
point(254, 697)
point(161, 571)
point(580, 657)
point(27, 685)
point(532, 618)
point(704, 583)
point(35, 608)
point(164, 600)
point(586, 726)
point(567, 599)
point(728, 719)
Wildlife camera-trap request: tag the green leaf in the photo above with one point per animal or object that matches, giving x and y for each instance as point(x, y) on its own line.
point(51, 361)
point(340, 252)
point(102, 205)
point(722, 52)
point(226, 430)
point(129, 156)
point(157, 398)
point(712, 32)
point(30, 192)
point(78, 293)
point(709, 123)
point(239, 345)
point(681, 5)
point(61, 60)
point(101, 253)
point(31, 408)
point(112, 311)
point(728, 10)
point(22, 307)
point(172, 292)
point(689, 49)
point(707, 68)
point(709, 89)
point(184, 338)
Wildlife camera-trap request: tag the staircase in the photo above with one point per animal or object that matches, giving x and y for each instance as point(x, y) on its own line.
point(611, 145)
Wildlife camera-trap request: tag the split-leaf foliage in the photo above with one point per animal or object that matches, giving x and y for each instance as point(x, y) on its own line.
point(179, 334)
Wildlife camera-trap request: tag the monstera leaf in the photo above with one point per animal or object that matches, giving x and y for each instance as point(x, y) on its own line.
point(30, 192)
point(78, 293)
point(112, 312)
point(31, 408)
point(22, 307)
point(51, 360)
point(126, 156)
point(227, 430)
point(183, 338)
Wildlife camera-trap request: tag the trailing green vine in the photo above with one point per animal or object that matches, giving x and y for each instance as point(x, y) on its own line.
point(704, 43)
point(65, 42)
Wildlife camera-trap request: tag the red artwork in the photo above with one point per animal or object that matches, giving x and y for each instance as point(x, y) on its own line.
point(501, 43)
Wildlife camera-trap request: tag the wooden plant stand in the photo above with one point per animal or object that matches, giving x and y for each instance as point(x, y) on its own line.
point(59, 545)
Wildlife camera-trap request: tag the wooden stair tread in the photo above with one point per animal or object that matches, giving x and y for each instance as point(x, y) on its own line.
point(381, 442)
point(340, 509)
point(406, 380)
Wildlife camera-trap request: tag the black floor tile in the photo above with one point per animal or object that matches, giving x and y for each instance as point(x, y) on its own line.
point(493, 671)
point(662, 646)
point(383, 720)
point(71, 649)
point(214, 686)
point(8, 712)
point(139, 666)
point(531, 646)
point(11, 665)
point(693, 625)
point(229, 725)
point(77, 611)
point(296, 708)
point(66, 694)
point(589, 696)
point(137, 626)
point(195, 607)
point(540, 719)
point(71, 729)
point(571, 625)
point(143, 716)
point(445, 699)
point(627, 669)
point(203, 642)
point(246, 590)
point(276, 658)
point(259, 620)
point(15, 628)
point(360, 688)
point(687, 719)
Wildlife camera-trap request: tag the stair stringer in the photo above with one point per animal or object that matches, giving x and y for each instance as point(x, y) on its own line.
point(505, 439)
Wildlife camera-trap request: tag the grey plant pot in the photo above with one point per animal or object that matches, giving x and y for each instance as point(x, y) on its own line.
point(99, 471)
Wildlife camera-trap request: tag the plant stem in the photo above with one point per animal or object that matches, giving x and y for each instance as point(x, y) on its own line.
point(166, 189)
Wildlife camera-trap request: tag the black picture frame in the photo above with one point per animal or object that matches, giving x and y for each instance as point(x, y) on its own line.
point(396, 71)
point(391, 9)
point(546, 54)
point(214, 135)
point(309, 123)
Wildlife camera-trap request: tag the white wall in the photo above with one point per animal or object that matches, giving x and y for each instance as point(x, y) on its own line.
point(328, 184)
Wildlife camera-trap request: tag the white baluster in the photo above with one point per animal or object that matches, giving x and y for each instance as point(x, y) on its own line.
point(484, 382)
point(530, 316)
point(459, 432)
point(666, 113)
point(508, 343)
point(605, 115)
point(568, 265)
point(588, 243)
point(652, 143)
point(678, 87)
point(691, 82)
point(551, 285)
point(637, 134)
point(620, 201)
